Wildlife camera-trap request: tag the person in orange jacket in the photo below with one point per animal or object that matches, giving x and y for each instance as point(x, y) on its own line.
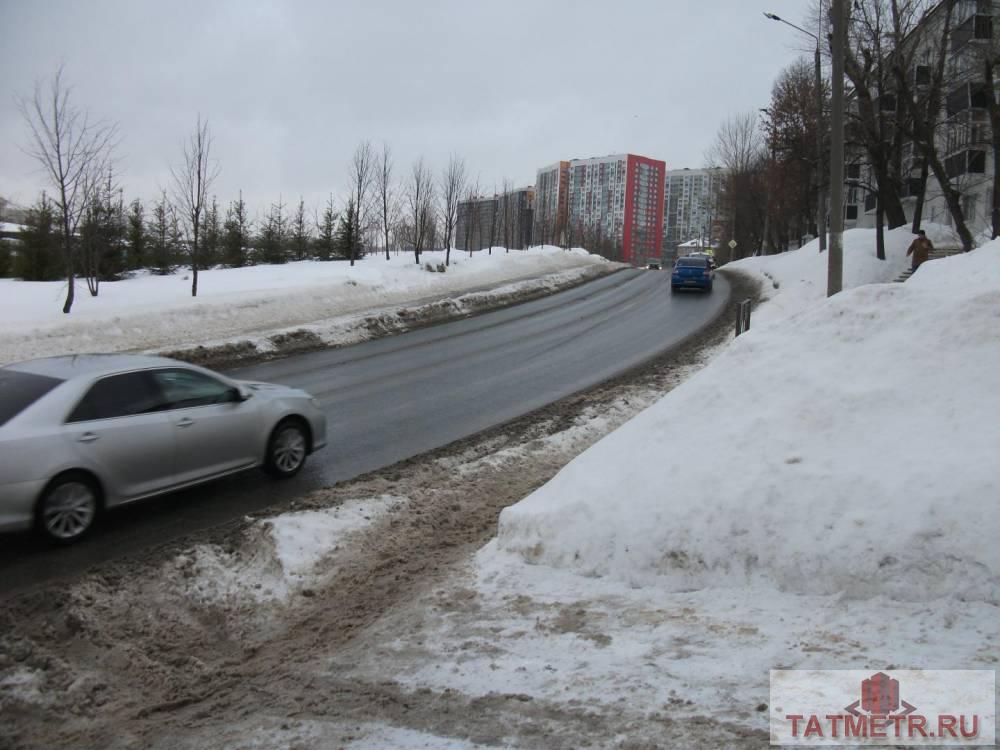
point(920, 248)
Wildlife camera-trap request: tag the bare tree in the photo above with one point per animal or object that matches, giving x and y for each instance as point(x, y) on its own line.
point(101, 234)
point(388, 207)
point(739, 147)
point(362, 177)
point(420, 205)
point(192, 178)
point(453, 180)
point(921, 109)
point(509, 208)
point(73, 151)
point(494, 206)
point(471, 225)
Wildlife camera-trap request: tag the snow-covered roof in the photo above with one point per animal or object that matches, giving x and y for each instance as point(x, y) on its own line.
point(6, 226)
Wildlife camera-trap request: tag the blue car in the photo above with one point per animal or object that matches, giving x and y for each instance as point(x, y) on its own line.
point(692, 272)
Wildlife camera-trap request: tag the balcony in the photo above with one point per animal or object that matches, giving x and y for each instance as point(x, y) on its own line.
point(975, 28)
point(969, 161)
point(967, 96)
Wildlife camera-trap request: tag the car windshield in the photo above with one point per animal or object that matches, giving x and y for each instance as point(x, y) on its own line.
point(19, 390)
point(692, 262)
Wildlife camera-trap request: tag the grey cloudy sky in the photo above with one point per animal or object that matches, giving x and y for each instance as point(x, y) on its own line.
point(290, 88)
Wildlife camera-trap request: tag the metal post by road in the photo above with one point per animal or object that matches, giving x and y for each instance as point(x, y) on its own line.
point(835, 259)
point(820, 187)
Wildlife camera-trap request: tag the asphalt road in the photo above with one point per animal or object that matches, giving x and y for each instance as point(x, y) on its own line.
point(396, 397)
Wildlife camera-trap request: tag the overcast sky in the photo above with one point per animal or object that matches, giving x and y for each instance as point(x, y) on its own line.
point(290, 88)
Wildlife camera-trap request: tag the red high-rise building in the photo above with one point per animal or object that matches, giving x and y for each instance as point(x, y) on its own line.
point(614, 205)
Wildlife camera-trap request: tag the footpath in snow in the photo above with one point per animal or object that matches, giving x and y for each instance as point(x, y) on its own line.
point(330, 303)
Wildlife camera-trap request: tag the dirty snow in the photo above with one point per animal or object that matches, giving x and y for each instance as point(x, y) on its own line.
point(157, 312)
point(280, 555)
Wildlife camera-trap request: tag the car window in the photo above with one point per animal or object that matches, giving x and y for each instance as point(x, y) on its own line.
point(692, 262)
point(186, 388)
point(19, 390)
point(121, 395)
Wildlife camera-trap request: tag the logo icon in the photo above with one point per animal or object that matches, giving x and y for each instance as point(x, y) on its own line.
point(880, 697)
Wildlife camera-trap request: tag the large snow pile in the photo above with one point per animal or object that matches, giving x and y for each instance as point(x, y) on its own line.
point(801, 275)
point(850, 446)
point(149, 312)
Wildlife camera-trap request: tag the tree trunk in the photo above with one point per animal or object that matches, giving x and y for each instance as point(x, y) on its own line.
point(879, 230)
point(994, 112)
point(918, 210)
point(68, 253)
point(953, 199)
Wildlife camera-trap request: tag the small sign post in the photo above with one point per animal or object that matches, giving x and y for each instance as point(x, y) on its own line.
point(743, 317)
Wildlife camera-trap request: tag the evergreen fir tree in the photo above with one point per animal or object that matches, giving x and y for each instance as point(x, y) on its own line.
point(135, 237)
point(348, 238)
point(300, 233)
point(161, 239)
point(274, 235)
point(38, 255)
point(211, 236)
point(327, 229)
point(236, 234)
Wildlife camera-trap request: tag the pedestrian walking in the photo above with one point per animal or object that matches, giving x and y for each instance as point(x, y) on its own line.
point(920, 248)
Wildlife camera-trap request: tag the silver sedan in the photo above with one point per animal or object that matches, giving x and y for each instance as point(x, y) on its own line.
point(80, 434)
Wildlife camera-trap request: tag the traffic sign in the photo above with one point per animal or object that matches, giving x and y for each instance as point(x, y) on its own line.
point(732, 244)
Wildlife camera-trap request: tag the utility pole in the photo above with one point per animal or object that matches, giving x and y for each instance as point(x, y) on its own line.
point(835, 260)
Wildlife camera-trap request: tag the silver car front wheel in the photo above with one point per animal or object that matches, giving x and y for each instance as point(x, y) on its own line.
point(68, 508)
point(287, 449)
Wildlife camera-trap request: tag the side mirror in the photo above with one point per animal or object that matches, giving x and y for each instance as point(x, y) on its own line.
point(241, 393)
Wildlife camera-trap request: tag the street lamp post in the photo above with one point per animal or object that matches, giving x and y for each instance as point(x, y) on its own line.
point(835, 260)
point(820, 185)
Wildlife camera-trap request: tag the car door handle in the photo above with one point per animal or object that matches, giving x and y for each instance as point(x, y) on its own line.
point(87, 437)
point(186, 422)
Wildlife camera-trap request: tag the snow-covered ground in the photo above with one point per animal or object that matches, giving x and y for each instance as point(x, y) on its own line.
point(821, 495)
point(151, 312)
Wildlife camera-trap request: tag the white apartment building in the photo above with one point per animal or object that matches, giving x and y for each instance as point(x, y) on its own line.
point(692, 199)
point(964, 141)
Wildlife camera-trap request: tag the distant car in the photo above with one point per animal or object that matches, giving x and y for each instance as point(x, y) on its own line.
point(653, 266)
point(692, 272)
point(81, 434)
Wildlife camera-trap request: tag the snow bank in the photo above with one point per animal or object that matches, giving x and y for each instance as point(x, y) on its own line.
point(848, 447)
point(158, 312)
point(800, 275)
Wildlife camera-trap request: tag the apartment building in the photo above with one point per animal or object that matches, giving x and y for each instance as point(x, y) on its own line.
point(612, 205)
point(964, 138)
point(692, 206)
point(551, 202)
point(499, 220)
